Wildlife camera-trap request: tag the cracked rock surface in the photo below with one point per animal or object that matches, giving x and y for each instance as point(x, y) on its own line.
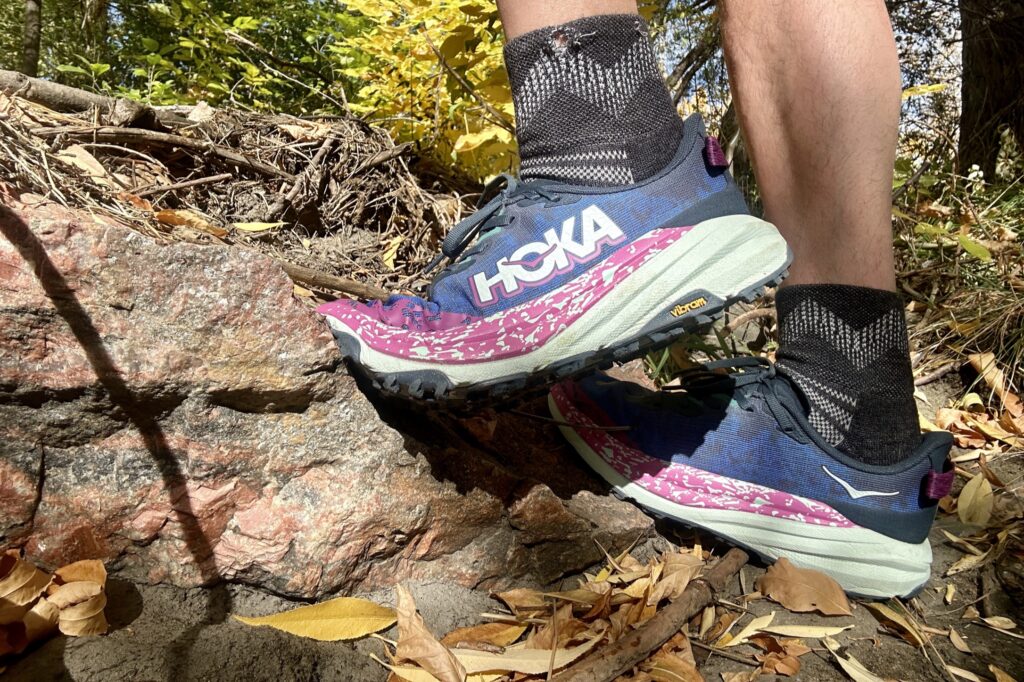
point(174, 410)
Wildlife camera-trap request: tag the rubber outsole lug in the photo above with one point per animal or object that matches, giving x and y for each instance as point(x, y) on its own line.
point(429, 388)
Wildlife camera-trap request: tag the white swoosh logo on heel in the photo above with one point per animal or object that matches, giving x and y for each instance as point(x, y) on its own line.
point(854, 493)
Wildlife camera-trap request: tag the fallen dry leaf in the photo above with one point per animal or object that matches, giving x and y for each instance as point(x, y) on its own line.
point(329, 621)
point(498, 634)
point(901, 625)
point(186, 218)
point(985, 365)
point(850, 665)
point(950, 593)
point(257, 227)
point(529, 661)
point(1000, 622)
point(81, 605)
point(20, 584)
point(1000, 674)
point(523, 601)
point(744, 676)
point(803, 589)
point(671, 668)
point(812, 631)
point(90, 569)
point(41, 620)
point(779, 664)
point(968, 562)
point(963, 674)
point(958, 642)
point(417, 645)
point(749, 629)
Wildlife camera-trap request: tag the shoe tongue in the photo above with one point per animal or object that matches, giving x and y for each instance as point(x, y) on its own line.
point(789, 394)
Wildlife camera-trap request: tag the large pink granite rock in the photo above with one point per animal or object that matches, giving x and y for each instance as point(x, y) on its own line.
point(175, 411)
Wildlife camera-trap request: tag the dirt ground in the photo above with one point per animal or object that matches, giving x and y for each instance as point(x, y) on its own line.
point(163, 633)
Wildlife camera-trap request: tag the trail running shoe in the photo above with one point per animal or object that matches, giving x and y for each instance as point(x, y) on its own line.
point(548, 280)
point(735, 455)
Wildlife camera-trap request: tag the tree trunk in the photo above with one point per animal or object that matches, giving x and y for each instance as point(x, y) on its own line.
point(30, 38)
point(993, 79)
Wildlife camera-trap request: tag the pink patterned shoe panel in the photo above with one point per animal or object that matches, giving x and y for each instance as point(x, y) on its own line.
point(689, 486)
point(451, 338)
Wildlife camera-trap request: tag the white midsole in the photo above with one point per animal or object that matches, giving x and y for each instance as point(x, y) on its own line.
point(862, 561)
point(723, 256)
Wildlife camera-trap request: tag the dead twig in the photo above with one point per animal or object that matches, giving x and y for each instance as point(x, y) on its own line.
point(185, 184)
point(936, 375)
point(143, 136)
point(282, 203)
point(620, 656)
point(312, 277)
point(712, 651)
point(493, 113)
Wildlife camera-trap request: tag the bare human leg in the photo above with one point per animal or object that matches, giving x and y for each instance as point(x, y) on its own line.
point(817, 89)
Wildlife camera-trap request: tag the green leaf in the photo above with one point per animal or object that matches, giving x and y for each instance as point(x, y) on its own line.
point(71, 68)
point(150, 45)
point(974, 248)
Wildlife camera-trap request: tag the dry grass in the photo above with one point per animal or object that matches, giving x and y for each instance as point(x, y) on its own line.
point(357, 212)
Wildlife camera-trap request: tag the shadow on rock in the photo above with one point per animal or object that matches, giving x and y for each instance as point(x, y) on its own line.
point(136, 408)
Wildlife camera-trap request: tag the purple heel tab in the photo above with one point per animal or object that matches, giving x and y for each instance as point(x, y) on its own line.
point(714, 155)
point(937, 486)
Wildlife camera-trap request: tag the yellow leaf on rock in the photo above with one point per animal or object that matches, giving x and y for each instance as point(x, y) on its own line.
point(963, 674)
point(329, 621)
point(803, 589)
point(974, 505)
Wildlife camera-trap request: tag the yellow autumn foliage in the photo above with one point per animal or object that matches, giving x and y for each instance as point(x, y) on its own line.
point(420, 57)
point(422, 54)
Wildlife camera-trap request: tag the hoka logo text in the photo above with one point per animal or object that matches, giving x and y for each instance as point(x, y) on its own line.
point(535, 263)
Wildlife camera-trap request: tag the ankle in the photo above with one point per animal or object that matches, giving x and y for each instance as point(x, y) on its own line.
point(591, 105)
point(846, 349)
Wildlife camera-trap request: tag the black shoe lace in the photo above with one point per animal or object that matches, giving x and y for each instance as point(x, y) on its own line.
point(489, 215)
point(748, 375)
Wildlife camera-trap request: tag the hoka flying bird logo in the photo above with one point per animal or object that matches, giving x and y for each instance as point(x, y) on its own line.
point(538, 262)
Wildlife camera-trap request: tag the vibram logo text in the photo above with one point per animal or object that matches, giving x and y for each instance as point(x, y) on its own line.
point(684, 308)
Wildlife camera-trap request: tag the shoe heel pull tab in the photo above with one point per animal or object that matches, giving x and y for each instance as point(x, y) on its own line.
point(714, 155)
